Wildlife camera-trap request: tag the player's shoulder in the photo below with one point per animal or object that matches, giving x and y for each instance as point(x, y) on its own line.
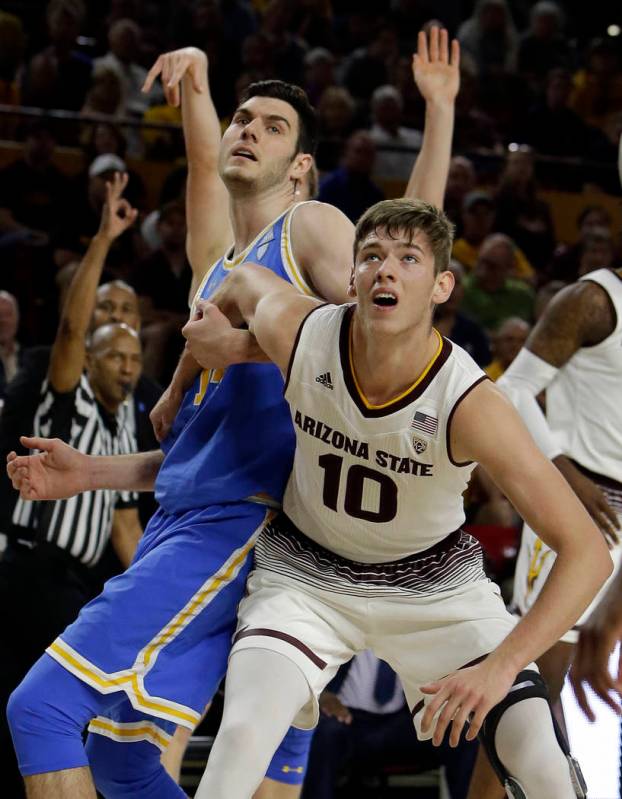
point(585, 294)
point(317, 218)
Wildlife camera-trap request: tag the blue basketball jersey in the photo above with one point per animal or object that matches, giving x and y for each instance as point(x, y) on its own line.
point(233, 438)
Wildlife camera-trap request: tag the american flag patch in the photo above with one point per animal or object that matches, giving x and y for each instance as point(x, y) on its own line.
point(424, 422)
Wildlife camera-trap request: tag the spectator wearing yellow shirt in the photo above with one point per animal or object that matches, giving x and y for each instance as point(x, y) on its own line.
point(506, 344)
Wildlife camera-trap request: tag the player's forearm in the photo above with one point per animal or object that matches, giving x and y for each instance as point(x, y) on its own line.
point(238, 296)
point(566, 594)
point(201, 125)
point(185, 373)
point(245, 349)
point(135, 472)
point(428, 178)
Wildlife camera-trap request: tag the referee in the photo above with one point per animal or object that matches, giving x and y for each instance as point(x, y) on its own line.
point(45, 572)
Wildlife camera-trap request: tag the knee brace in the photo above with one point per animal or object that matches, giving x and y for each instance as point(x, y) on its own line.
point(528, 684)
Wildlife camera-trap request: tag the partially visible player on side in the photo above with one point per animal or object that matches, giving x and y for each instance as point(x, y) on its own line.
point(363, 555)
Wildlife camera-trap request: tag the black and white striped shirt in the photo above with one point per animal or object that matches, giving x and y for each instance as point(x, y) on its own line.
point(82, 524)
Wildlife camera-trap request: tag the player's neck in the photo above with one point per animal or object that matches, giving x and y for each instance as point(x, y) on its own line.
point(251, 213)
point(387, 366)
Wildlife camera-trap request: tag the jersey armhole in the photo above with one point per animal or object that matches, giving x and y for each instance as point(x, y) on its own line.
point(465, 393)
point(293, 271)
point(290, 365)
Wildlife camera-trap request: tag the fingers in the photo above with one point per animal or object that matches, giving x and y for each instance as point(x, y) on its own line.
point(152, 74)
point(422, 48)
point(34, 442)
point(443, 45)
point(581, 697)
point(434, 50)
point(455, 53)
point(449, 711)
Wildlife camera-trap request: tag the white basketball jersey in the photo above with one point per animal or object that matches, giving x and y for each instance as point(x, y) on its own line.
point(584, 401)
point(372, 483)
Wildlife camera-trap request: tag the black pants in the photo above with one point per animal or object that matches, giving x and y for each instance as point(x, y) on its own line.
point(373, 740)
point(41, 592)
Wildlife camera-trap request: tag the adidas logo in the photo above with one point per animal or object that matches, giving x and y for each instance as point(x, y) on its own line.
point(325, 380)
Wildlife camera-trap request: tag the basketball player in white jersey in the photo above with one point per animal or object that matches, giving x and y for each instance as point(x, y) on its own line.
point(390, 419)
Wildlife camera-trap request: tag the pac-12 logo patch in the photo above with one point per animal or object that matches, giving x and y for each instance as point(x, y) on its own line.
point(420, 445)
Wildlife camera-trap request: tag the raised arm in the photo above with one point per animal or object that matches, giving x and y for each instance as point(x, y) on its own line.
point(436, 70)
point(69, 350)
point(272, 308)
point(487, 429)
point(578, 316)
point(184, 79)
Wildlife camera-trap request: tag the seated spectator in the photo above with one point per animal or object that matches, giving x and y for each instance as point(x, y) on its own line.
point(490, 293)
point(162, 282)
point(103, 138)
point(371, 66)
point(350, 187)
point(597, 91)
point(33, 192)
point(520, 214)
point(566, 261)
point(452, 323)
point(553, 128)
point(478, 222)
point(105, 95)
point(59, 76)
point(319, 72)
point(475, 129)
point(543, 46)
point(506, 344)
point(545, 295)
point(403, 144)
point(335, 113)
point(11, 352)
point(124, 41)
point(489, 36)
point(288, 50)
point(460, 182)
point(365, 724)
point(598, 251)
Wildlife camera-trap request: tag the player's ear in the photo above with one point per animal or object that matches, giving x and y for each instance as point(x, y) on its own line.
point(351, 285)
point(300, 166)
point(443, 286)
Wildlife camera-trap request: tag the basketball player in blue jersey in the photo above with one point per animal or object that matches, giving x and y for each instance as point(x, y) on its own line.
point(148, 653)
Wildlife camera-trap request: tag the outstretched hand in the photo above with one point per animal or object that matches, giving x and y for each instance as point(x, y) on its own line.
point(117, 214)
point(598, 638)
point(171, 67)
point(437, 71)
point(464, 697)
point(57, 471)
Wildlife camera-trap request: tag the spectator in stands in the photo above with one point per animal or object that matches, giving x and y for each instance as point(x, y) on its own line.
point(105, 95)
point(162, 282)
point(506, 344)
point(60, 75)
point(366, 725)
point(460, 182)
point(53, 546)
point(598, 251)
point(597, 92)
point(567, 259)
point(396, 162)
point(313, 23)
point(350, 187)
point(545, 295)
point(475, 129)
point(520, 214)
point(319, 72)
point(543, 46)
point(102, 138)
point(12, 46)
point(552, 127)
point(288, 50)
point(452, 323)
point(491, 295)
point(478, 222)
point(33, 191)
point(489, 36)
point(124, 41)
point(11, 352)
point(371, 66)
point(335, 112)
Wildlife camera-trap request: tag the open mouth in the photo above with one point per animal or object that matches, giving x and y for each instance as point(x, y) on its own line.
point(243, 153)
point(385, 299)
